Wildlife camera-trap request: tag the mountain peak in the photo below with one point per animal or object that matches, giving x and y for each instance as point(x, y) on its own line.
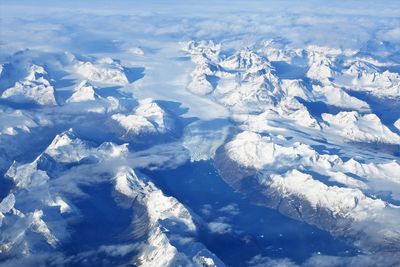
point(246, 59)
point(85, 91)
point(67, 147)
point(35, 72)
point(33, 88)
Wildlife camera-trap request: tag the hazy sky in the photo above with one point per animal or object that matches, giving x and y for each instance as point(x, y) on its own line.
point(100, 25)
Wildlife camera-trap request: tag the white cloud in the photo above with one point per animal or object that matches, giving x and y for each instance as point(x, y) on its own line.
point(231, 209)
point(219, 227)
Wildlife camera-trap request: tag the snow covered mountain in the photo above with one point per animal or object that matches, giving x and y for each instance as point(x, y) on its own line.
point(34, 88)
point(104, 71)
point(83, 92)
point(148, 118)
point(204, 134)
point(50, 184)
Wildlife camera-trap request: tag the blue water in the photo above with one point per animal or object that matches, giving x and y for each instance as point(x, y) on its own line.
point(103, 222)
point(5, 187)
point(256, 229)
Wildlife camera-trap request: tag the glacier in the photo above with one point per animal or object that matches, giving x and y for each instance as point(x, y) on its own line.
point(233, 133)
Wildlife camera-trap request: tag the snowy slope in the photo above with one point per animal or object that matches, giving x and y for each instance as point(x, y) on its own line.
point(104, 71)
point(147, 118)
point(33, 88)
point(83, 92)
point(200, 134)
point(352, 126)
point(49, 182)
point(277, 154)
